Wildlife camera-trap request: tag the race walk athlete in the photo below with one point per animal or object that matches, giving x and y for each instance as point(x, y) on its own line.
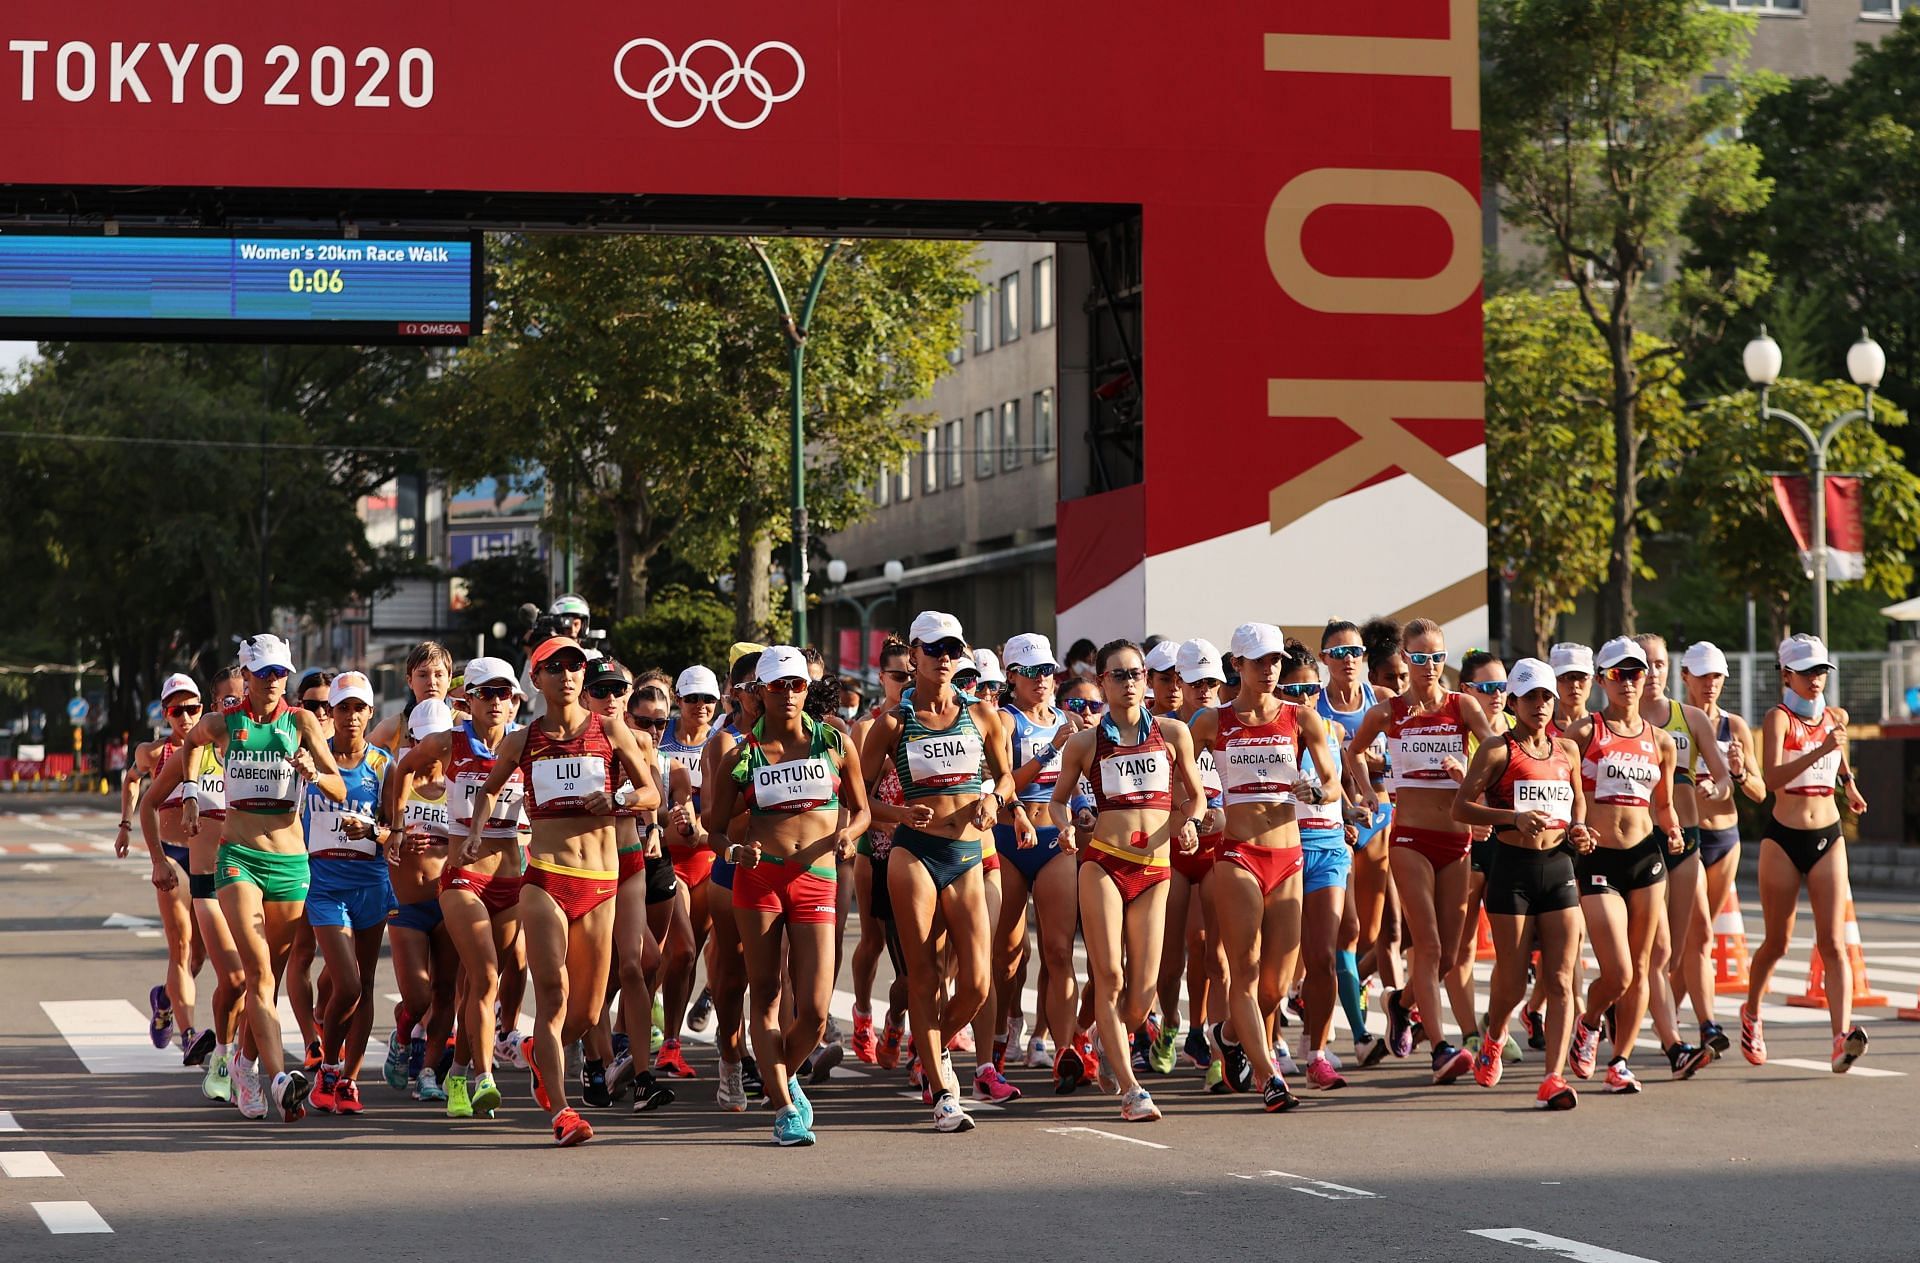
point(166, 836)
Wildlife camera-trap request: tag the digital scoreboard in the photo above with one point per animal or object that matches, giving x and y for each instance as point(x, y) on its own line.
point(184, 286)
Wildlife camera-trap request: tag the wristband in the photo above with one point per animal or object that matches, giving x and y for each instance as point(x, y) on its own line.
point(126, 824)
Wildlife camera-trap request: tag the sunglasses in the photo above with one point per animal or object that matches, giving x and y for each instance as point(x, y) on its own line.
point(272, 673)
point(969, 682)
point(492, 692)
point(787, 684)
point(565, 666)
point(314, 706)
point(651, 694)
point(948, 648)
point(1300, 690)
point(651, 725)
point(1492, 688)
point(183, 712)
point(1437, 658)
point(699, 699)
point(608, 688)
point(898, 677)
point(1623, 674)
point(1126, 675)
point(1815, 671)
point(1032, 673)
point(1345, 651)
point(1085, 705)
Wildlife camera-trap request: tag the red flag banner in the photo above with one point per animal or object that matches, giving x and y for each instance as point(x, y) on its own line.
point(1846, 529)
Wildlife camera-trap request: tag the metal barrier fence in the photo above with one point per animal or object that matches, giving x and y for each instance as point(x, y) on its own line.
point(1871, 686)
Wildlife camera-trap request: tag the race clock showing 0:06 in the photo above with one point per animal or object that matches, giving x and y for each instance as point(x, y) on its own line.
point(318, 281)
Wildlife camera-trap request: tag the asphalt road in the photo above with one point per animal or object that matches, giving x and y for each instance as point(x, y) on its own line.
point(1784, 1162)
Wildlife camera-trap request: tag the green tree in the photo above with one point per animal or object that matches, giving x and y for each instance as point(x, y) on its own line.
point(1550, 452)
point(682, 626)
point(648, 375)
point(1743, 541)
point(1597, 127)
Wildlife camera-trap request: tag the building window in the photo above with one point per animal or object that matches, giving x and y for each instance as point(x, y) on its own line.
point(930, 461)
point(1010, 434)
point(883, 488)
point(903, 485)
point(1761, 6)
point(1042, 300)
point(956, 453)
point(958, 352)
point(983, 444)
point(1889, 10)
point(1043, 424)
point(1009, 308)
point(983, 321)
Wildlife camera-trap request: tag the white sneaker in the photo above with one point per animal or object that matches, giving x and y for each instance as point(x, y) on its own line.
point(731, 1095)
point(949, 1081)
point(1283, 1060)
point(506, 1051)
point(948, 1116)
point(247, 1093)
point(1039, 1052)
point(290, 1095)
point(1332, 1056)
point(1016, 1038)
point(1137, 1107)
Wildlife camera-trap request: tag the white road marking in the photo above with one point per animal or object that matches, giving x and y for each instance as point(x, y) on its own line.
point(1865, 1072)
point(1564, 1247)
point(8, 1122)
point(1320, 1188)
point(148, 934)
point(966, 1103)
point(123, 921)
point(1104, 1135)
point(49, 848)
point(110, 1037)
point(68, 1217)
point(36, 868)
point(29, 1164)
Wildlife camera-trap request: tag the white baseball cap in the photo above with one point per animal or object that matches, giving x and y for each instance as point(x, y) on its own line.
point(1527, 675)
point(265, 650)
point(1257, 640)
point(1031, 649)
point(782, 662)
point(1802, 652)
point(178, 682)
point(1198, 660)
point(696, 682)
point(989, 663)
point(481, 671)
point(429, 717)
point(1571, 659)
point(964, 664)
point(932, 625)
point(1618, 650)
point(350, 684)
point(1703, 657)
point(1163, 656)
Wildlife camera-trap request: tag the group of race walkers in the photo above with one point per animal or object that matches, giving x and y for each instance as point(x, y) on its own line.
point(1262, 833)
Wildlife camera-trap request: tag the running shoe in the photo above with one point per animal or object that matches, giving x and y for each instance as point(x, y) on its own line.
point(949, 1081)
point(864, 1044)
point(416, 1056)
point(1277, 1098)
point(658, 1016)
point(700, 1016)
point(321, 1098)
point(314, 1058)
point(1321, 1074)
point(428, 1088)
point(649, 1093)
point(620, 1075)
point(990, 1085)
point(160, 1023)
point(1449, 1063)
point(218, 1083)
point(569, 1129)
point(671, 1062)
point(1216, 1078)
point(1165, 1050)
point(655, 1038)
point(1399, 1025)
point(731, 1095)
point(801, 1103)
point(1368, 1050)
point(540, 1096)
point(915, 1077)
point(1536, 1024)
point(1295, 1005)
point(290, 1095)
point(1069, 1070)
point(1714, 1037)
point(1685, 1059)
point(789, 1130)
point(825, 1058)
point(887, 1055)
point(948, 1116)
point(247, 1093)
point(1039, 1052)
point(395, 1069)
point(459, 1104)
point(1196, 1049)
point(593, 1085)
point(1283, 1059)
point(1753, 1044)
point(1486, 1064)
point(1238, 1069)
point(1016, 1037)
point(506, 1050)
point(1137, 1107)
point(1585, 1053)
point(1620, 1078)
point(346, 1097)
point(1555, 1094)
point(1510, 1049)
point(622, 1045)
point(484, 1095)
point(195, 1046)
point(1848, 1049)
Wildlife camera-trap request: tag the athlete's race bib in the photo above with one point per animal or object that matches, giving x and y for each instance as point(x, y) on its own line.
point(211, 789)
point(1320, 815)
point(1264, 766)
point(1209, 774)
point(1622, 777)
point(261, 779)
point(565, 780)
point(801, 785)
point(1038, 744)
point(1134, 778)
point(1817, 778)
point(327, 827)
point(944, 760)
point(422, 814)
point(509, 808)
point(690, 760)
point(1422, 756)
point(1554, 798)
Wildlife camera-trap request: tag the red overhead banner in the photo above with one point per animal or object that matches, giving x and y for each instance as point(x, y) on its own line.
point(1846, 529)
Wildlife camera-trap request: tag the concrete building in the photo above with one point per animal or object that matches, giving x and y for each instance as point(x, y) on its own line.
point(1815, 37)
point(970, 514)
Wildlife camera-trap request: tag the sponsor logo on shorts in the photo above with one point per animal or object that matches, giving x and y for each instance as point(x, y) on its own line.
point(1823, 845)
point(1570, 882)
point(822, 907)
point(1654, 871)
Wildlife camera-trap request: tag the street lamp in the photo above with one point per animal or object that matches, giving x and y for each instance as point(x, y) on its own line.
point(837, 575)
point(1866, 364)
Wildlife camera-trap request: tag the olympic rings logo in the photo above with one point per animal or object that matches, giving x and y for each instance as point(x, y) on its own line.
point(740, 74)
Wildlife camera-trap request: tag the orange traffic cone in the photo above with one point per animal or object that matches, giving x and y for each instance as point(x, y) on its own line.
point(1863, 997)
point(1483, 939)
point(1730, 949)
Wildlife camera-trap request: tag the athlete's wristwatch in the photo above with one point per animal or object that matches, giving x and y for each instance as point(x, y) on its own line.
point(623, 796)
point(1196, 822)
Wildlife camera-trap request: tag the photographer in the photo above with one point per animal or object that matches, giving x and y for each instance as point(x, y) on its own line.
point(568, 616)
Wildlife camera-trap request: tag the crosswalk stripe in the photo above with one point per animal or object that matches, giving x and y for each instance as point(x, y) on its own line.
point(63, 1218)
point(1861, 1072)
point(29, 1164)
point(8, 1122)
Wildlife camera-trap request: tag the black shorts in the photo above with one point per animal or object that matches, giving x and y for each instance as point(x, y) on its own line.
point(1689, 846)
point(880, 905)
point(1805, 847)
point(661, 883)
point(1523, 882)
point(1480, 854)
point(1717, 844)
point(200, 886)
point(1608, 870)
